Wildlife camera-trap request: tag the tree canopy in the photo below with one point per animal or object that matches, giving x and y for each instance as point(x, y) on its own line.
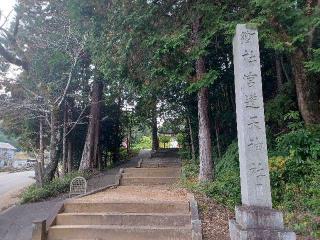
point(98, 76)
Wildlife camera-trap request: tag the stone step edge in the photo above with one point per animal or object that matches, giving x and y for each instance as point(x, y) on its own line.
point(126, 170)
point(195, 220)
point(126, 214)
point(149, 202)
point(187, 227)
point(160, 177)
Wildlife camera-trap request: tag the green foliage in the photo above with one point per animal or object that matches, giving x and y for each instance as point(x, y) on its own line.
point(146, 53)
point(190, 170)
point(125, 156)
point(206, 81)
point(144, 143)
point(314, 64)
point(229, 161)
point(164, 139)
point(181, 138)
point(295, 178)
point(51, 189)
point(226, 187)
point(279, 106)
point(5, 138)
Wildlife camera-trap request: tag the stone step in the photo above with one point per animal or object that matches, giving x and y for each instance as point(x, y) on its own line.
point(147, 181)
point(165, 154)
point(134, 170)
point(168, 158)
point(162, 163)
point(163, 159)
point(159, 165)
point(127, 207)
point(114, 232)
point(152, 172)
point(128, 219)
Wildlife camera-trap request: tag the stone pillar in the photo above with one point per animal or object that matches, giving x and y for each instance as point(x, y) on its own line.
point(255, 219)
point(39, 230)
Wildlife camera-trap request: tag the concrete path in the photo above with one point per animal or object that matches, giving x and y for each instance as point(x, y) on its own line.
point(16, 222)
point(11, 184)
point(13, 181)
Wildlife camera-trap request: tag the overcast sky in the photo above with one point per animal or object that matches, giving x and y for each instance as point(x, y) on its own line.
point(6, 6)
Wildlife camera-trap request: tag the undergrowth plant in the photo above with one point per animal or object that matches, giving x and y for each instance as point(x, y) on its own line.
point(57, 186)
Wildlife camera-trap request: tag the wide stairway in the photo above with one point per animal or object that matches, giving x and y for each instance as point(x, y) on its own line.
point(145, 206)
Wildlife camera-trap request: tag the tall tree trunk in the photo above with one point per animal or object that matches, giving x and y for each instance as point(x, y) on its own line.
point(205, 151)
point(129, 137)
point(217, 137)
point(89, 153)
point(279, 72)
point(155, 139)
point(40, 164)
point(307, 88)
point(69, 157)
point(116, 157)
point(96, 140)
point(69, 145)
point(283, 68)
point(54, 145)
point(64, 139)
point(41, 146)
point(193, 151)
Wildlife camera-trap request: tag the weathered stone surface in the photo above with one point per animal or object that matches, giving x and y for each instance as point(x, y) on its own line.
point(254, 172)
point(126, 206)
point(255, 220)
point(128, 219)
point(239, 233)
point(257, 217)
point(147, 181)
point(114, 232)
point(39, 230)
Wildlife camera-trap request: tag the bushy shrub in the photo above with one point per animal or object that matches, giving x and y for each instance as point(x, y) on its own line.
point(182, 139)
point(164, 140)
point(190, 169)
point(295, 178)
point(226, 186)
point(144, 143)
point(51, 189)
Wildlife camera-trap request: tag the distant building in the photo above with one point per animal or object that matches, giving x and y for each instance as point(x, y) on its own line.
point(7, 152)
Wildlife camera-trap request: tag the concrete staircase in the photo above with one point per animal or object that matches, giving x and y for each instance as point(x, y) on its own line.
point(160, 163)
point(128, 219)
point(150, 176)
point(123, 221)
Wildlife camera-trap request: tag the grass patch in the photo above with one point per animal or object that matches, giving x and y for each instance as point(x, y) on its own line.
point(51, 189)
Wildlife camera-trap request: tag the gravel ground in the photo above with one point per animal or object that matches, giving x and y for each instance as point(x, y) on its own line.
point(215, 220)
point(16, 222)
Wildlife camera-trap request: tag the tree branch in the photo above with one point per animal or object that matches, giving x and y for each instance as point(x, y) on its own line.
point(13, 59)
